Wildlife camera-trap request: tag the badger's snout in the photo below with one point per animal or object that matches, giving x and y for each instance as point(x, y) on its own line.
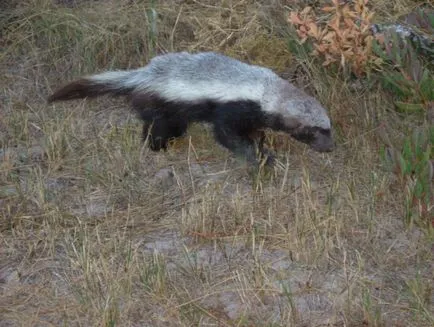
point(319, 139)
point(322, 141)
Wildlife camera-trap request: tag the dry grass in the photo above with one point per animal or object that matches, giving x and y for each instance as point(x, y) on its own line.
point(96, 230)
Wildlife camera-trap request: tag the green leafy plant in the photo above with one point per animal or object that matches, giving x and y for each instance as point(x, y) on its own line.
point(403, 73)
point(413, 164)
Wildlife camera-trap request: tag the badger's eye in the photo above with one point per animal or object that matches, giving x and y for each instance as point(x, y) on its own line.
point(309, 134)
point(305, 134)
point(324, 132)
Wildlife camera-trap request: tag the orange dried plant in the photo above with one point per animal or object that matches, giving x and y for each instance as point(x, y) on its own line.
point(343, 38)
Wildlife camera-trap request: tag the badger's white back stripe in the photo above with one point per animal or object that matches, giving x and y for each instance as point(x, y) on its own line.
point(179, 90)
point(187, 77)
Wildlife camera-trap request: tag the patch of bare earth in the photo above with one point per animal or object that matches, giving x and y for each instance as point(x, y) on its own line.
point(97, 230)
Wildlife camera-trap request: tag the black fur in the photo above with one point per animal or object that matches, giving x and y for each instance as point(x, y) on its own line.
point(235, 124)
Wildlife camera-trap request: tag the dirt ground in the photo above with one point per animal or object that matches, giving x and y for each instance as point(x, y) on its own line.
point(97, 230)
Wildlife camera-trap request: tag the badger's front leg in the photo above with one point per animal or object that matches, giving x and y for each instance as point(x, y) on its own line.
point(237, 127)
point(239, 145)
point(263, 154)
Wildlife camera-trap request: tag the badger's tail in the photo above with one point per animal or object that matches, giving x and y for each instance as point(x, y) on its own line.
point(114, 83)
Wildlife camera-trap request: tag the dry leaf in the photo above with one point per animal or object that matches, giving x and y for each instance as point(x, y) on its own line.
point(353, 14)
point(330, 36)
point(369, 17)
point(348, 53)
point(345, 37)
point(321, 48)
point(368, 42)
point(329, 60)
point(294, 19)
point(334, 49)
point(346, 10)
point(334, 23)
point(350, 23)
point(342, 60)
point(313, 30)
point(301, 34)
point(359, 6)
point(306, 10)
point(328, 9)
point(380, 38)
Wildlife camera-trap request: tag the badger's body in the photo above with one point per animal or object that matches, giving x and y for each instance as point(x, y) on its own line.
point(239, 99)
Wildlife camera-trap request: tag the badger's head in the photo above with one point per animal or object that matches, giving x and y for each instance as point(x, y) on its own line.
point(309, 123)
point(305, 119)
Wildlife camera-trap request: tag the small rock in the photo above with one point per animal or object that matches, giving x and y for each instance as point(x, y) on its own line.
point(8, 190)
point(9, 275)
point(165, 178)
point(7, 155)
point(36, 153)
point(197, 170)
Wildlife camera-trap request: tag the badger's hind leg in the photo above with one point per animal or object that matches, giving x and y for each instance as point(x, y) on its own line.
point(161, 129)
point(156, 132)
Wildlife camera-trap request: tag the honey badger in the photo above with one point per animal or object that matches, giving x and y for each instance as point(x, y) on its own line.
point(240, 100)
